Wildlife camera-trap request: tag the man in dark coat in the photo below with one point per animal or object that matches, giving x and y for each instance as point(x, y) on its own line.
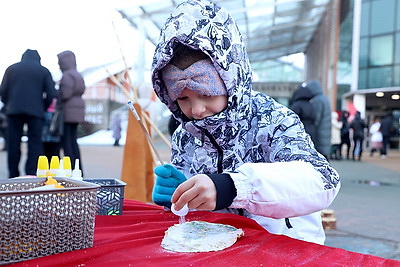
point(358, 125)
point(387, 130)
point(322, 120)
point(301, 105)
point(27, 90)
point(345, 133)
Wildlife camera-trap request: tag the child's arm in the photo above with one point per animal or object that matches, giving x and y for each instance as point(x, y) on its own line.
point(281, 189)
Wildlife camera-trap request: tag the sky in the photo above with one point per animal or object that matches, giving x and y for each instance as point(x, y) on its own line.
point(93, 30)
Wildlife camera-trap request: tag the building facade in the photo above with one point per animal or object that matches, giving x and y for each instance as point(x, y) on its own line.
point(369, 61)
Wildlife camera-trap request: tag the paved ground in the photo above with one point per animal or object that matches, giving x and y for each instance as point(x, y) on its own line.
point(367, 207)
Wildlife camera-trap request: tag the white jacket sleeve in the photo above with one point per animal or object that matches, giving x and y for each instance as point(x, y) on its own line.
point(281, 189)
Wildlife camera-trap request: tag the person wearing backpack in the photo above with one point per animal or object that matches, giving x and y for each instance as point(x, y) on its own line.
point(345, 134)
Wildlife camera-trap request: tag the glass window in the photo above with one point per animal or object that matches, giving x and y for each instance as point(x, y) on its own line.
point(381, 51)
point(380, 77)
point(398, 15)
point(362, 79)
point(382, 16)
point(397, 47)
point(363, 60)
point(364, 19)
point(396, 81)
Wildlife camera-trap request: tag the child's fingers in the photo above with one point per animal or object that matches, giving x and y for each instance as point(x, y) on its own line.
point(181, 189)
point(199, 192)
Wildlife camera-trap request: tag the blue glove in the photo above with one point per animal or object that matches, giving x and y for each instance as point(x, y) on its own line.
point(167, 180)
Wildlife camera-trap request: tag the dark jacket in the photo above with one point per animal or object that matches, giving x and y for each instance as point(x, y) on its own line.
point(387, 126)
point(302, 106)
point(72, 87)
point(322, 120)
point(27, 87)
point(358, 125)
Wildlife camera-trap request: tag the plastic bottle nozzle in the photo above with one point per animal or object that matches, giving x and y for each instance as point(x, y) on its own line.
point(77, 173)
point(54, 165)
point(67, 166)
point(42, 166)
point(181, 212)
point(61, 172)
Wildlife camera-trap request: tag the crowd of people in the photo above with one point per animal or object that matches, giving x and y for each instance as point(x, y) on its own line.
point(343, 133)
point(33, 106)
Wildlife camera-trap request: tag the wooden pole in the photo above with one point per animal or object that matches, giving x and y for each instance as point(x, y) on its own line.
point(144, 115)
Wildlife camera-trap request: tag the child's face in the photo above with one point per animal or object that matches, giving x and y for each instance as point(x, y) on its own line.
point(197, 106)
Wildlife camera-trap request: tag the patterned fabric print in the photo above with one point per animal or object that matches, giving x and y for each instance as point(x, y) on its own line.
point(253, 128)
point(200, 77)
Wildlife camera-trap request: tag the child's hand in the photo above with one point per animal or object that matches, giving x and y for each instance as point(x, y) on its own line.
point(199, 192)
point(167, 180)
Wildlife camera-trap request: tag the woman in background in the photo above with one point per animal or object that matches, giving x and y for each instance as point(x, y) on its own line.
point(72, 87)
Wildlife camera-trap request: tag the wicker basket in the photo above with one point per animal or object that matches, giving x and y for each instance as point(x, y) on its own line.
point(37, 223)
point(110, 196)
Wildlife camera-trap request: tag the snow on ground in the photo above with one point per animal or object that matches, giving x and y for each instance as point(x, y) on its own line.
point(102, 137)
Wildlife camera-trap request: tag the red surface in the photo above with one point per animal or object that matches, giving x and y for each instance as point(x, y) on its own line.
point(134, 238)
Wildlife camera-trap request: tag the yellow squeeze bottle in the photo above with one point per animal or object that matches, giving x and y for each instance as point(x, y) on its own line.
point(67, 166)
point(42, 166)
point(54, 165)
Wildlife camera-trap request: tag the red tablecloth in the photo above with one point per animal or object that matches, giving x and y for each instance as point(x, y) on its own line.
point(133, 239)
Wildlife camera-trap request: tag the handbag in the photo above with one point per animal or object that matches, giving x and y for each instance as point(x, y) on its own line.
point(56, 127)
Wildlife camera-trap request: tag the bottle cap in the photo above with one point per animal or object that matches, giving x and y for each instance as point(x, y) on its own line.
point(182, 212)
point(77, 173)
point(60, 171)
point(67, 166)
point(42, 166)
point(54, 165)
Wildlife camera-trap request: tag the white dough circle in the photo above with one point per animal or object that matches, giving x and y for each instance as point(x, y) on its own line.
point(182, 212)
point(200, 236)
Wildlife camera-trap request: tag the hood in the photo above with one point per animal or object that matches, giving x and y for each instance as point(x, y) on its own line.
point(302, 93)
point(66, 60)
point(314, 86)
point(205, 26)
point(31, 55)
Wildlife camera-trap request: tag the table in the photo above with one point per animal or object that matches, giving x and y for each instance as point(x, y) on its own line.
point(133, 239)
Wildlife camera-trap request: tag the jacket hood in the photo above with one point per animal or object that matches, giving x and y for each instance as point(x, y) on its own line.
point(314, 86)
point(205, 26)
point(31, 55)
point(302, 93)
point(66, 60)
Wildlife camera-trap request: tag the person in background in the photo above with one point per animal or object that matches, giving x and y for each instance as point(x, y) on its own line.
point(387, 130)
point(376, 136)
point(72, 87)
point(335, 136)
point(345, 134)
point(3, 128)
point(116, 128)
point(358, 125)
point(52, 131)
point(301, 105)
point(27, 90)
point(322, 120)
point(237, 150)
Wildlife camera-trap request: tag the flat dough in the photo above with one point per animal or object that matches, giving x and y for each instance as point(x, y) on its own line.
point(200, 236)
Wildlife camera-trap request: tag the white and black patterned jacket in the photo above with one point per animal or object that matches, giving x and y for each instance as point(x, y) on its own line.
point(260, 143)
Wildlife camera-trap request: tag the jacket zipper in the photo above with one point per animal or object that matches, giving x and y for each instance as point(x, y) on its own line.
point(215, 144)
point(220, 155)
